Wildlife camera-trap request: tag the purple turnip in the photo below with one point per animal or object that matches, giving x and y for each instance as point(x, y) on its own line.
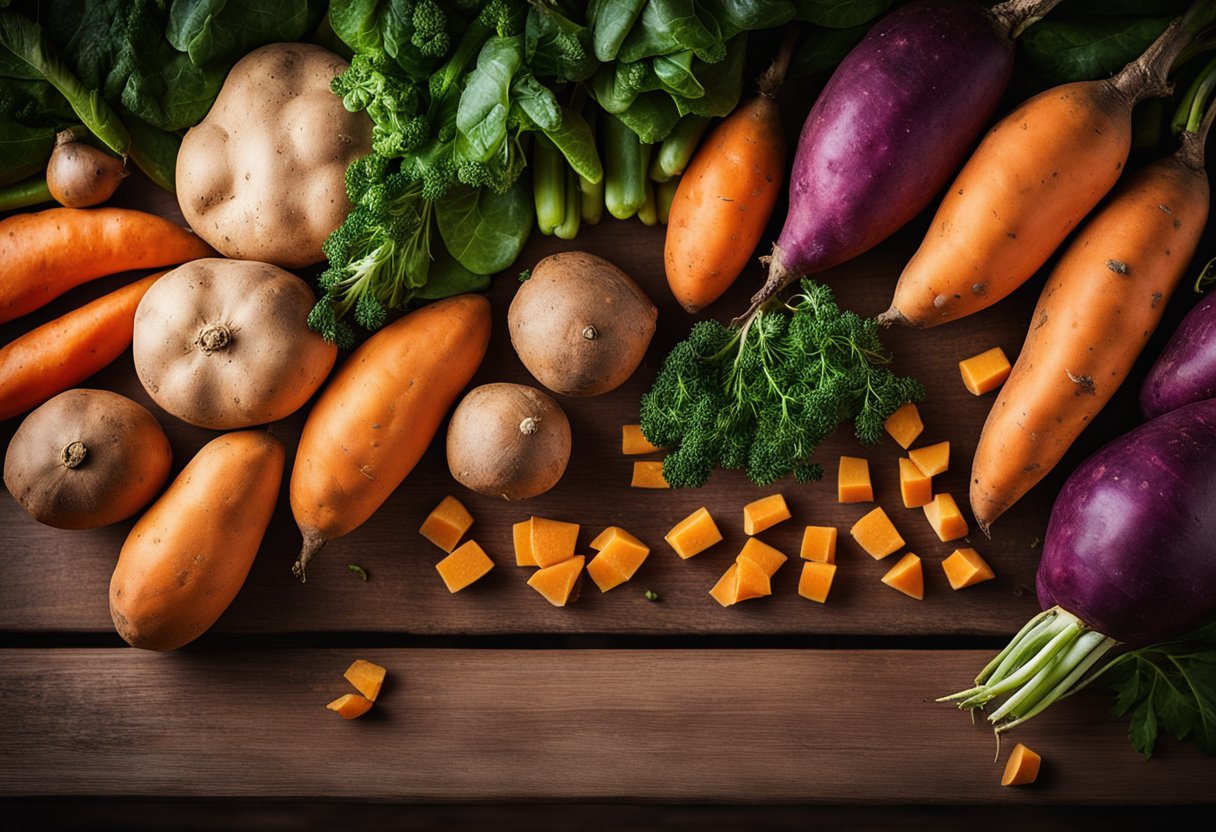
point(1185, 372)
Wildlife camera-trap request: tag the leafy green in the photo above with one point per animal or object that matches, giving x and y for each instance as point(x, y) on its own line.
point(1085, 49)
point(482, 230)
point(763, 396)
point(672, 25)
point(736, 16)
point(610, 22)
point(558, 47)
point(573, 137)
point(839, 14)
point(486, 100)
point(219, 31)
point(446, 277)
point(23, 150)
point(820, 50)
point(723, 83)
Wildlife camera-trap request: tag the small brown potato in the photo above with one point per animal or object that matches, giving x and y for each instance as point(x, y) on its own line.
point(508, 440)
point(262, 177)
point(79, 175)
point(580, 325)
point(86, 458)
point(225, 343)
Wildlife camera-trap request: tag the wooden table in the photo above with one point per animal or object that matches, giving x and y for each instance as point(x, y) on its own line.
point(496, 697)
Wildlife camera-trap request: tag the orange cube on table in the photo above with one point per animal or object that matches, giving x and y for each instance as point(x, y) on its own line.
point(966, 568)
point(819, 544)
point(559, 583)
point(648, 475)
point(367, 677)
point(634, 442)
point(985, 372)
point(727, 587)
point(752, 581)
point(764, 513)
point(1022, 768)
point(552, 541)
point(816, 581)
point(521, 534)
point(908, 576)
point(620, 556)
point(853, 480)
point(767, 558)
point(877, 534)
point(945, 517)
point(904, 425)
point(467, 564)
point(350, 706)
point(915, 487)
point(446, 524)
point(932, 459)
point(694, 534)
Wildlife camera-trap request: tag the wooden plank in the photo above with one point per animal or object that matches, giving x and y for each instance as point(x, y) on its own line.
point(733, 726)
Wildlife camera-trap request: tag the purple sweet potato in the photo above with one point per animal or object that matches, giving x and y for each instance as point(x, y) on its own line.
point(1185, 372)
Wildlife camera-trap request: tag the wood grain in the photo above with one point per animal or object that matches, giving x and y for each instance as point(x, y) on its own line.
point(653, 725)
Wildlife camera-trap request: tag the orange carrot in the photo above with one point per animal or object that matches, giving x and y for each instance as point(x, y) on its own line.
point(64, 352)
point(44, 254)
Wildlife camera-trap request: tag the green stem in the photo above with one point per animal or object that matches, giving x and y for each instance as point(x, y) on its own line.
point(675, 152)
point(1189, 115)
point(649, 212)
point(568, 229)
point(548, 185)
point(664, 193)
point(625, 159)
point(24, 194)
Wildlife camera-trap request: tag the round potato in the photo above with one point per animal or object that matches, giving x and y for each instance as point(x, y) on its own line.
point(508, 440)
point(86, 458)
point(262, 177)
point(225, 343)
point(580, 325)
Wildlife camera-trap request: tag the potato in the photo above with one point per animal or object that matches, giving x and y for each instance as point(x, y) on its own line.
point(225, 343)
point(580, 325)
point(262, 177)
point(508, 440)
point(86, 458)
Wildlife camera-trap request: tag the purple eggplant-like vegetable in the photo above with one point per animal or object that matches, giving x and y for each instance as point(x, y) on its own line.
point(1185, 372)
point(894, 123)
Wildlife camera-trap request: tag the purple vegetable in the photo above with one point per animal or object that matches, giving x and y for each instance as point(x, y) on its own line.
point(1185, 372)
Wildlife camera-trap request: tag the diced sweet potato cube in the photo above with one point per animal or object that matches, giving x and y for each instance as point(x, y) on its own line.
point(1022, 768)
point(633, 442)
point(915, 487)
point(552, 541)
point(819, 544)
point(877, 535)
point(558, 582)
point(945, 517)
point(367, 677)
point(521, 534)
point(727, 587)
point(932, 459)
point(648, 475)
point(966, 568)
point(350, 706)
point(447, 524)
point(764, 513)
point(694, 534)
point(625, 552)
point(467, 564)
point(603, 538)
point(604, 573)
point(764, 556)
point(853, 481)
point(904, 425)
point(753, 581)
point(908, 576)
point(816, 580)
point(985, 372)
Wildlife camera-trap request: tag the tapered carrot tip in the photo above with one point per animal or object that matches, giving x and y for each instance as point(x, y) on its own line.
point(893, 316)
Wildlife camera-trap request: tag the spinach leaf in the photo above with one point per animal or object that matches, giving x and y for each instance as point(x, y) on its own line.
point(486, 101)
point(823, 49)
point(485, 231)
point(154, 151)
point(735, 16)
point(357, 23)
point(576, 141)
point(840, 14)
point(556, 47)
point(447, 277)
point(23, 150)
point(34, 103)
point(536, 100)
point(668, 26)
point(610, 22)
point(652, 116)
point(676, 76)
point(723, 83)
point(173, 93)
point(1080, 50)
point(217, 30)
point(616, 84)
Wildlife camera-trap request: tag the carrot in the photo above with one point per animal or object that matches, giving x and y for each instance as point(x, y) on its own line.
point(724, 199)
point(64, 352)
point(379, 413)
point(44, 254)
point(1101, 303)
point(1031, 181)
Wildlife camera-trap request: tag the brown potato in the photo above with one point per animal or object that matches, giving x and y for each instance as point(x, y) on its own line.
point(86, 458)
point(225, 343)
point(262, 177)
point(580, 325)
point(509, 441)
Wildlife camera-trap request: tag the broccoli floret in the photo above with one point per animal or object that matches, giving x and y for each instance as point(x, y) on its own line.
point(430, 36)
point(392, 101)
point(506, 17)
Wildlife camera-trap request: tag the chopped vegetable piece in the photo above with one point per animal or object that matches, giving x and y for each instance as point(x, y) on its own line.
point(694, 534)
point(447, 523)
point(915, 486)
point(853, 483)
point(552, 541)
point(367, 677)
point(1022, 768)
point(624, 551)
point(727, 587)
point(358, 570)
point(945, 517)
point(932, 459)
point(908, 576)
point(904, 425)
point(467, 564)
point(877, 535)
point(819, 544)
point(765, 513)
point(648, 475)
point(816, 580)
point(762, 555)
point(559, 582)
point(604, 573)
point(633, 442)
point(753, 581)
point(521, 534)
point(650, 595)
point(350, 706)
point(985, 372)
point(966, 568)
point(611, 533)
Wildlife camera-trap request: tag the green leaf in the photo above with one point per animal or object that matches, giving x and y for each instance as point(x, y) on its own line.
point(485, 231)
point(735, 16)
point(448, 278)
point(486, 100)
point(213, 31)
point(23, 150)
point(577, 143)
point(536, 100)
point(357, 23)
point(723, 83)
point(1082, 50)
point(668, 26)
point(820, 50)
point(652, 116)
point(1142, 731)
point(675, 73)
point(839, 14)
point(610, 22)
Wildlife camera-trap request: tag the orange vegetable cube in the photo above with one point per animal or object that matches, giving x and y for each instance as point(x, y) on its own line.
point(762, 555)
point(932, 459)
point(367, 677)
point(648, 475)
point(877, 535)
point(552, 541)
point(752, 581)
point(853, 480)
point(908, 576)
point(945, 517)
point(604, 573)
point(447, 523)
point(915, 487)
point(694, 534)
point(633, 442)
point(467, 564)
point(1022, 768)
point(521, 534)
point(765, 513)
point(612, 532)
point(819, 544)
point(904, 425)
point(985, 372)
point(558, 583)
point(727, 587)
point(621, 549)
point(816, 580)
point(350, 706)
point(966, 568)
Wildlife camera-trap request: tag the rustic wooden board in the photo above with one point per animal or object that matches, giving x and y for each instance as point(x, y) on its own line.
point(733, 726)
